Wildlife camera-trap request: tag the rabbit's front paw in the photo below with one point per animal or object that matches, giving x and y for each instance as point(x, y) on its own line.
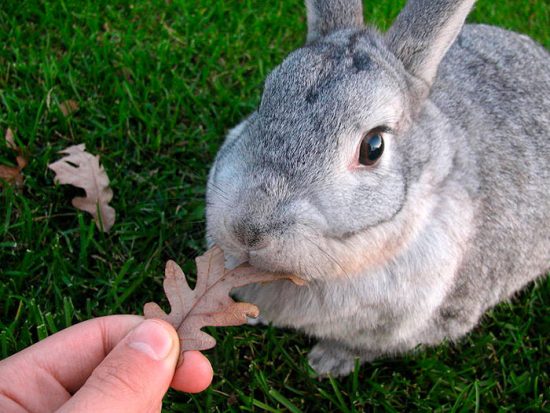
point(330, 358)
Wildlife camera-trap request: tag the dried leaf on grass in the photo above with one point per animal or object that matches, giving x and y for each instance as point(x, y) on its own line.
point(209, 304)
point(68, 107)
point(10, 141)
point(12, 174)
point(82, 169)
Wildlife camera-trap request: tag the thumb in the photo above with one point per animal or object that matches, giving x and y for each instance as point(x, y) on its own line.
point(134, 376)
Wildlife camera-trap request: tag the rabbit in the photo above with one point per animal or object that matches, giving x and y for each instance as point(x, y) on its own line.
point(404, 175)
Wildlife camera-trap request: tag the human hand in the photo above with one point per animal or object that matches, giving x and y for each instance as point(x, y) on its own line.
point(118, 363)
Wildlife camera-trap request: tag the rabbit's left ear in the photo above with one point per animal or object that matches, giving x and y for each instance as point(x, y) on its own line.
point(424, 31)
point(325, 16)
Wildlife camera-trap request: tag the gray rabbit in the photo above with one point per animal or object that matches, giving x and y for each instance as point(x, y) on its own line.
point(404, 175)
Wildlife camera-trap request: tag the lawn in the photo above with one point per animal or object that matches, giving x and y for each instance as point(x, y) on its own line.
point(157, 84)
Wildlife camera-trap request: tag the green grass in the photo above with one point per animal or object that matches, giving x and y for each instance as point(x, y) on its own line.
point(158, 84)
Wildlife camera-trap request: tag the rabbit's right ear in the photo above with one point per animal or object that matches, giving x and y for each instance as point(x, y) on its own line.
point(325, 16)
point(424, 31)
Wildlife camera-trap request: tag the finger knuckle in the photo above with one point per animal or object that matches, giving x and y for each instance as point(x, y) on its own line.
point(113, 379)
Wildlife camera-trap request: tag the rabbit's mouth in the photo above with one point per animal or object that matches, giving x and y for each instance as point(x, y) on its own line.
point(264, 260)
point(287, 259)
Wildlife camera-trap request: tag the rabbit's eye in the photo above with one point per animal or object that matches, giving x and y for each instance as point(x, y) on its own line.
point(372, 147)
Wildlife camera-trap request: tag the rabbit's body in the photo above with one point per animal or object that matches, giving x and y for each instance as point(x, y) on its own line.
point(453, 218)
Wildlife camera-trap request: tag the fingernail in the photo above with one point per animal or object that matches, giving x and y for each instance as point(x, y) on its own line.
point(152, 339)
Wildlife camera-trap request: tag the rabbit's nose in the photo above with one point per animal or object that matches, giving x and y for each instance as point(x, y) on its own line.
point(250, 235)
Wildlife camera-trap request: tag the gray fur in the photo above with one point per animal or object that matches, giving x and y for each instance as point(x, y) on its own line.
point(420, 40)
point(324, 17)
point(452, 220)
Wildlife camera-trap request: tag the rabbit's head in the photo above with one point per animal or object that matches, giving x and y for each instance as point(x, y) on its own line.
point(323, 179)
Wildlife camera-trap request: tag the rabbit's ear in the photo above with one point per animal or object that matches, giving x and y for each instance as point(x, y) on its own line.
point(325, 16)
point(424, 31)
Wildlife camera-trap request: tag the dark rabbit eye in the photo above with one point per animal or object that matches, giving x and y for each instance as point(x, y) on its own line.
point(372, 147)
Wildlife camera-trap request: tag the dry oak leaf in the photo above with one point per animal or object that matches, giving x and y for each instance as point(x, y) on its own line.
point(12, 174)
point(82, 169)
point(209, 304)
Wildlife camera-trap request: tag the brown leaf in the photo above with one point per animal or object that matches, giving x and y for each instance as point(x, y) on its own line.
point(209, 304)
point(82, 169)
point(21, 161)
point(9, 140)
point(68, 107)
point(12, 174)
